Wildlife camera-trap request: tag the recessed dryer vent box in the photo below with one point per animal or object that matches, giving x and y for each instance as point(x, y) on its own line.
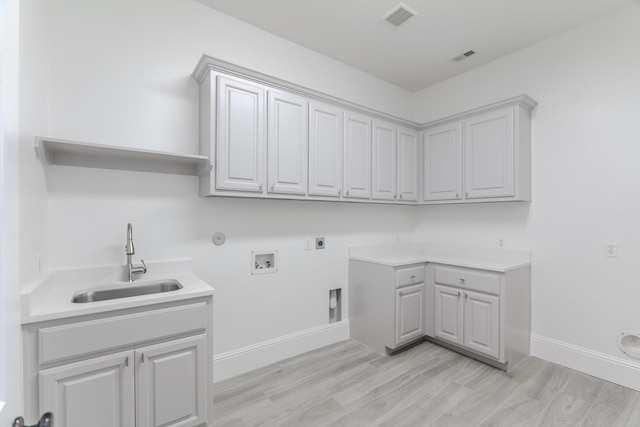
point(263, 262)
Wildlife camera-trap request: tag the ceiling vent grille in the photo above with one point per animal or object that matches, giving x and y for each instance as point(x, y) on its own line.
point(464, 55)
point(399, 15)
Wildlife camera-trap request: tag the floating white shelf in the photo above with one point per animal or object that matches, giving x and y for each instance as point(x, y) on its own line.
point(84, 154)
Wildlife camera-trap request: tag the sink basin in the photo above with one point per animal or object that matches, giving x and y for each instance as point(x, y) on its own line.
point(104, 294)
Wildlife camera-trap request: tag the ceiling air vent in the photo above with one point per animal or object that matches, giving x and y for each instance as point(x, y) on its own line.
point(400, 14)
point(464, 55)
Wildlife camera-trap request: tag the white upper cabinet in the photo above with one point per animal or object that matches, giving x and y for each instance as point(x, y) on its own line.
point(267, 138)
point(384, 161)
point(488, 154)
point(480, 156)
point(287, 143)
point(326, 134)
point(443, 162)
point(240, 135)
point(408, 165)
point(357, 156)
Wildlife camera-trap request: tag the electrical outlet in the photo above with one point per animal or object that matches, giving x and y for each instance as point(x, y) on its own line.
point(611, 249)
point(319, 242)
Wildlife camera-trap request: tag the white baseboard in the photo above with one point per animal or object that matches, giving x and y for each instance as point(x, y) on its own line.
point(613, 369)
point(236, 362)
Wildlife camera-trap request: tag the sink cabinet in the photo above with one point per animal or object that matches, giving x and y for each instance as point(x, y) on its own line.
point(387, 306)
point(144, 367)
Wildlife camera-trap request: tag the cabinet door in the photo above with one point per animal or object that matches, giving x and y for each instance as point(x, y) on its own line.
point(240, 136)
point(407, 165)
point(482, 323)
point(97, 392)
point(384, 161)
point(410, 312)
point(443, 163)
point(287, 143)
point(326, 127)
point(171, 383)
point(449, 314)
point(489, 155)
point(357, 156)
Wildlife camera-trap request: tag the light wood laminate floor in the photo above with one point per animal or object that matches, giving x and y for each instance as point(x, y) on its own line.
point(348, 384)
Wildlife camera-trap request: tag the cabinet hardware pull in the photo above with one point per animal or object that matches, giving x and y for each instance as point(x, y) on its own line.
point(339, 192)
point(273, 187)
point(466, 195)
point(347, 192)
point(462, 281)
point(260, 187)
point(400, 197)
point(142, 358)
point(457, 196)
point(126, 361)
point(413, 278)
point(458, 294)
point(466, 296)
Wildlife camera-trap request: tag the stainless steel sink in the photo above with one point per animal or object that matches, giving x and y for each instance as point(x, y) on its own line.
point(125, 291)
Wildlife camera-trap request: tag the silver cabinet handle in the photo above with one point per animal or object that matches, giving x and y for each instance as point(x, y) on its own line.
point(400, 197)
point(413, 278)
point(126, 361)
point(458, 294)
point(273, 187)
point(259, 186)
point(466, 195)
point(457, 196)
point(347, 192)
point(466, 296)
point(142, 358)
point(462, 281)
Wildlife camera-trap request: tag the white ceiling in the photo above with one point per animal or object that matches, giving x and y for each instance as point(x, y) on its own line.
point(419, 53)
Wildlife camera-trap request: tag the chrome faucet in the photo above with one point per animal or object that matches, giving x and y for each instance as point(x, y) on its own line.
point(129, 250)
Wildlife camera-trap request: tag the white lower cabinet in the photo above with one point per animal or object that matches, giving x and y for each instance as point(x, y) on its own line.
point(480, 312)
point(468, 319)
point(171, 387)
point(387, 307)
point(410, 313)
point(142, 368)
point(97, 392)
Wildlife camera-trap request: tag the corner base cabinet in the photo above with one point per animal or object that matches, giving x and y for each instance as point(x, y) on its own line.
point(387, 305)
point(145, 367)
point(484, 314)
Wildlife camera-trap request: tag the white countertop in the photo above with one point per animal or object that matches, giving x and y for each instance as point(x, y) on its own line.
point(404, 253)
point(50, 298)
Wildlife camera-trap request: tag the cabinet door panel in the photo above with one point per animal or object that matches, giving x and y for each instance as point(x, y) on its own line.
point(96, 392)
point(481, 329)
point(407, 165)
point(489, 155)
point(384, 161)
point(449, 314)
point(410, 312)
point(357, 156)
point(442, 163)
point(171, 383)
point(287, 143)
point(325, 150)
point(240, 136)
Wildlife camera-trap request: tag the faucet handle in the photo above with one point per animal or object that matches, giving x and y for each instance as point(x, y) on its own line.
point(144, 266)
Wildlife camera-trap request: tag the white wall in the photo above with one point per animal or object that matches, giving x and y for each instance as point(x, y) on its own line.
point(119, 73)
point(586, 180)
point(10, 378)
